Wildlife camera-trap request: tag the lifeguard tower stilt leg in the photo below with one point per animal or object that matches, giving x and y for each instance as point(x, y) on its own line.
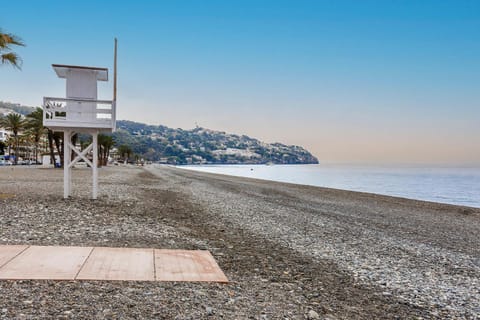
point(95, 165)
point(67, 172)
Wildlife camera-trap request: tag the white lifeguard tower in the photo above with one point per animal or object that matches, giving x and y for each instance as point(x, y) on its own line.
point(80, 112)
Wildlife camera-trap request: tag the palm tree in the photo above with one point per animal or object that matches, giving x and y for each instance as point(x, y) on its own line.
point(55, 139)
point(105, 144)
point(125, 152)
point(7, 40)
point(35, 128)
point(58, 139)
point(10, 143)
point(51, 147)
point(13, 122)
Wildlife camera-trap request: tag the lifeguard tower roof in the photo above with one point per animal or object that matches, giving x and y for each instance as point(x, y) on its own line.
point(62, 69)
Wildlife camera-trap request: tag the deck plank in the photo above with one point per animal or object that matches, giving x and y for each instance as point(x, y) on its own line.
point(40, 262)
point(118, 264)
point(7, 252)
point(187, 265)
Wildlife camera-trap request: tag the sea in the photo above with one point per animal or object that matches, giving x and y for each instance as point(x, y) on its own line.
point(453, 185)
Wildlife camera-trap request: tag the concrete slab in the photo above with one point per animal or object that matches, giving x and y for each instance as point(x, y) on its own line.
point(118, 264)
point(187, 265)
point(7, 253)
point(39, 262)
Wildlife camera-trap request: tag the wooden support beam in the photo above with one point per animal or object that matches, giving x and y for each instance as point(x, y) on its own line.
point(81, 155)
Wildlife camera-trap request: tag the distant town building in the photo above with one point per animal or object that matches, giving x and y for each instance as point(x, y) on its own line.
point(3, 135)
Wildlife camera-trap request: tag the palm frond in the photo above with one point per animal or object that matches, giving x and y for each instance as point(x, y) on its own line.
point(8, 39)
point(11, 58)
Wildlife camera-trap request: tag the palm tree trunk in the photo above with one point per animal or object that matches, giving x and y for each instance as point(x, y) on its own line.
point(108, 156)
point(100, 156)
point(59, 144)
point(15, 160)
point(50, 146)
point(74, 142)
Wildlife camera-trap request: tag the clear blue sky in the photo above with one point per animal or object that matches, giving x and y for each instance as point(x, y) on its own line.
point(353, 81)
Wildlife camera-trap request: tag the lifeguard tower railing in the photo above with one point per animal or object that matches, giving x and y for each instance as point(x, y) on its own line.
point(79, 113)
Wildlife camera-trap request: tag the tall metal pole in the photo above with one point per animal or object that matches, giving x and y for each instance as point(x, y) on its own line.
point(115, 73)
point(114, 103)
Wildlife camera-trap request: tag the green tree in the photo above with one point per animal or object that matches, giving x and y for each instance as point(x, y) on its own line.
point(125, 151)
point(7, 40)
point(55, 140)
point(35, 128)
point(13, 122)
point(105, 144)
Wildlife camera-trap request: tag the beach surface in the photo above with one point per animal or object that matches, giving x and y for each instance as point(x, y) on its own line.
point(289, 251)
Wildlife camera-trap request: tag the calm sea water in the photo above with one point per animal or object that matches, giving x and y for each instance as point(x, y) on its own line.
point(459, 186)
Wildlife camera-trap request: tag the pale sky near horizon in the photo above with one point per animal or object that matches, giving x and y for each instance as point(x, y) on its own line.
point(352, 81)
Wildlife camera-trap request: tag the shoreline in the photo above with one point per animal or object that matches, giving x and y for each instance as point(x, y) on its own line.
point(190, 168)
point(288, 250)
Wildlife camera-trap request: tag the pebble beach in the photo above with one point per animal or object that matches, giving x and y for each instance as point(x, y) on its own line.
point(289, 251)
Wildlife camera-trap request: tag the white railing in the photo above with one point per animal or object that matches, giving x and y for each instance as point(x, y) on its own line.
point(69, 112)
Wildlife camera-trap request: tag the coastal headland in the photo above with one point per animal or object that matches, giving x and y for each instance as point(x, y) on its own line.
point(289, 251)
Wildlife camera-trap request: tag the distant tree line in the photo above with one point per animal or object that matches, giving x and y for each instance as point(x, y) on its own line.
point(28, 132)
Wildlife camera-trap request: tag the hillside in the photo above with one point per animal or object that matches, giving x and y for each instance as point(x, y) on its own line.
point(200, 145)
point(8, 107)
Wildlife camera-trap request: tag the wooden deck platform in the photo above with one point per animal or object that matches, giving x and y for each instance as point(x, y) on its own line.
point(102, 263)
